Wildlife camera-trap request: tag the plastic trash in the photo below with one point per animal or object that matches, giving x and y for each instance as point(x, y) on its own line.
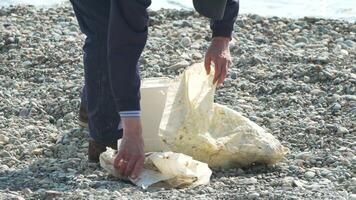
point(153, 98)
point(209, 132)
point(163, 170)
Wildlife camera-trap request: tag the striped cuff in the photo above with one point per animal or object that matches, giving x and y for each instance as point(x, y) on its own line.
point(132, 113)
point(119, 127)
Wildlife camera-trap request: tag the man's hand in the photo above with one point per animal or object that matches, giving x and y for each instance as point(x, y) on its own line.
point(131, 156)
point(219, 54)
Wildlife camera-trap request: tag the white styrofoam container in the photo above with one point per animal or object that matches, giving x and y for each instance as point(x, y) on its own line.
point(153, 99)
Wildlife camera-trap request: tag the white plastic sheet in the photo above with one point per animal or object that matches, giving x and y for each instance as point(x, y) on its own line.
point(209, 132)
point(163, 169)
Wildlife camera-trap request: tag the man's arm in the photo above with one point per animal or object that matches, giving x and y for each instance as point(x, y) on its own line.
point(225, 26)
point(127, 36)
point(219, 52)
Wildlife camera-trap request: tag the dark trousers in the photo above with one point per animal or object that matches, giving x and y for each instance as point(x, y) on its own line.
point(116, 33)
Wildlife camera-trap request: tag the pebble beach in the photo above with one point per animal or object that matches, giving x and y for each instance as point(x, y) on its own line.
point(294, 77)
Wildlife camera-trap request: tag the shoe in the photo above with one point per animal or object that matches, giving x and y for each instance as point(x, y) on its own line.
point(96, 148)
point(83, 116)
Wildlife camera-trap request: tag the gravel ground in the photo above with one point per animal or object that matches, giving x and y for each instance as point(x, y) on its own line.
point(294, 77)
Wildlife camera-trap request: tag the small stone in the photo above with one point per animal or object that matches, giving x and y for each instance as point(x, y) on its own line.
point(261, 40)
point(306, 79)
point(48, 153)
point(233, 75)
point(336, 107)
point(3, 139)
point(37, 151)
point(342, 130)
point(300, 45)
point(303, 155)
point(352, 197)
point(323, 59)
point(253, 195)
point(309, 174)
point(197, 55)
point(318, 92)
point(10, 40)
point(339, 39)
point(5, 154)
point(349, 97)
point(186, 42)
point(68, 116)
point(325, 172)
point(344, 52)
point(4, 167)
point(345, 162)
point(27, 191)
point(197, 36)
point(350, 43)
point(302, 40)
point(210, 189)
point(181, 64)
point(25, 112)
point(27, 63)
point(298, 183)
point(60, 123)
point(287, 181)
point(264, 193)
point(257, 18)
point(52, 193)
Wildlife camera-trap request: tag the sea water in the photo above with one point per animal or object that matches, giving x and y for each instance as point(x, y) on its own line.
point(336, 9)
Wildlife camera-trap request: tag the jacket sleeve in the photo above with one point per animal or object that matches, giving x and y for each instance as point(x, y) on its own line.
point(127, 36)
point(225, 26)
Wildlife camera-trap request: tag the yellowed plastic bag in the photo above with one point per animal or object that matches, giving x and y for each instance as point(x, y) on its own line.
point(163, 169)
point(194, 125)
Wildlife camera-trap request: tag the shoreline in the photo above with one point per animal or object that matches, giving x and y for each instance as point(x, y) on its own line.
point(349, 18)
point(294, 77)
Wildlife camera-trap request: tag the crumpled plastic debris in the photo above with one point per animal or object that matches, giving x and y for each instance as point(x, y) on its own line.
point(162, 170)
point(209, 132)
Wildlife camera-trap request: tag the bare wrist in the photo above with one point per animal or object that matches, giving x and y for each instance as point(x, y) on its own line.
point(132, 125)
point(221, 39)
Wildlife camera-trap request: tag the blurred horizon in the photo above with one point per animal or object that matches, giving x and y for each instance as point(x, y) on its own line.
point(335, 9)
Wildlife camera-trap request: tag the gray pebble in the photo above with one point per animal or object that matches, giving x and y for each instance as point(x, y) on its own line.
point(248, 181)
point(309, 175)
point(3, 139)
point(5, 154)
point(350, 43)
point(233, 75)
point(342, 130)
point(59, 122)
point(303, 155)
point(302, 40)
point(261, 40)
point(186, 41)
point(336, 107)
point(27, 191)
point(27, 63)
point(197, 55)
point(52, 194)
point(300, 45)
point(10, 40)
point(181, 64)
point(323, 59)
point(253, 195)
